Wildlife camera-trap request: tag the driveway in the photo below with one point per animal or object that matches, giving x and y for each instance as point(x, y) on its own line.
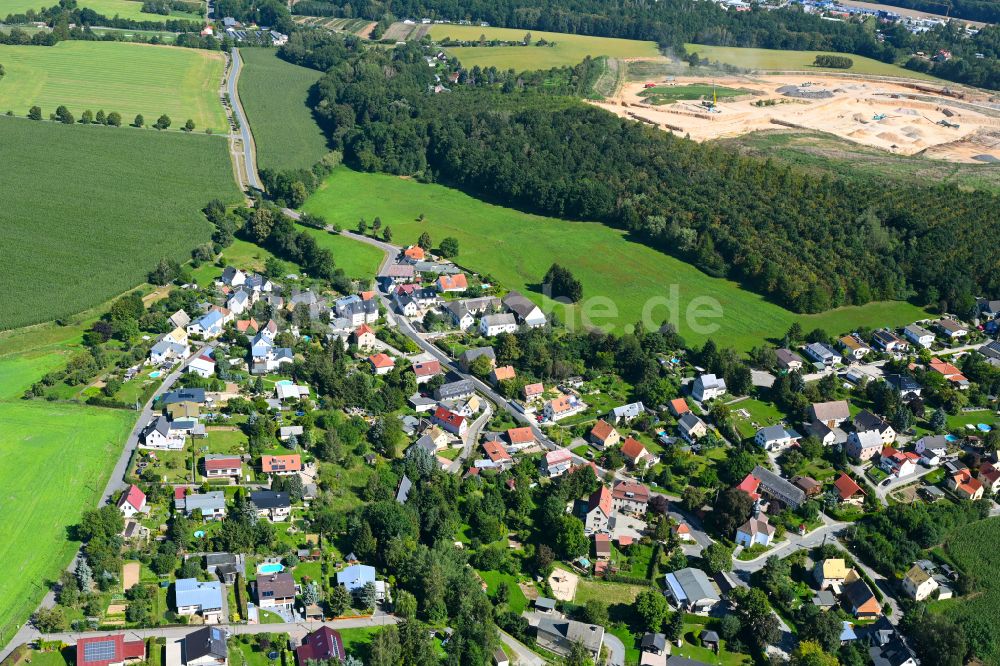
point(522, 655)
point(616, 649)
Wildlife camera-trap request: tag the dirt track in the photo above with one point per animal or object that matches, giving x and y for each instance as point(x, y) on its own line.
point(892, 116)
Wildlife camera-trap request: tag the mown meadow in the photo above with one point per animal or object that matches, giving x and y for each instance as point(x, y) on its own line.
point(517, 249)
point(92, 219)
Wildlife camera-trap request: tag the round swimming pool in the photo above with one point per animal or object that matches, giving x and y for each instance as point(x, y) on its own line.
point(199, 534)
point(154, 374)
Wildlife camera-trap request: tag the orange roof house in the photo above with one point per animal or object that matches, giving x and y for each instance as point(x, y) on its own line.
point(847, 489)
point(635, 452)
point(533, 390)
point(414, 252)
point(603, 434)
point(521, 436)
point(447, 283)
point(496, 452)
point(281, 464)
point(381, 363)
point(503, 373)
point(679, 407)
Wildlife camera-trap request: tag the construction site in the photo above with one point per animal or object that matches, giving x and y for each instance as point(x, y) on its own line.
point(902, 117)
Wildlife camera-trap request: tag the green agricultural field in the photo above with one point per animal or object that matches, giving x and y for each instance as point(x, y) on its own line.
point(90, 220)
point(518, 248)
point(778, 60)
point(45, 490)
point(126, 9)
point(274, 94)
point(973, 549)
point(116, 76)
point(568, 49)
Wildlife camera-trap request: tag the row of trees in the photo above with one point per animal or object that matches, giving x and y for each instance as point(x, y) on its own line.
point(112, 119)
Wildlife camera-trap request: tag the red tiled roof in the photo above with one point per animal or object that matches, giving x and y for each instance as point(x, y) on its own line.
point(414, 252)
point(633, 449)
point(504, 373)
point(381, 361)
point(520, 435)
point(624, 541)
point(534, 389)
point(179, 492)
point(133, 496)
point(223, 463)
point(602, 430)
point(989, 472)
point(600, 498)
point(749, 485)
point(846, 487)
point(361, 330)
point(427, 368)
point(496, 452)
point(288, 463)
point(679, 406)
point(447, 416)
point(447, 282)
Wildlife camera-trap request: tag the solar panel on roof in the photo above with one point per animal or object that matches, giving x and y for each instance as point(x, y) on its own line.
point(99, 651)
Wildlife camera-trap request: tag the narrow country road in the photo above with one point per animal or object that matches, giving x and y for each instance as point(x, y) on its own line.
point(522, 655)
point(249, 148)
point(116, 482)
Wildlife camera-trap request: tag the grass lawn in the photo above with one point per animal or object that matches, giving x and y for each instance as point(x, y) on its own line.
point(778, 60)
point(357, 641)
point(92, 219)
point(568, 49)
point(126, 9)
point(692, 649)
point(517, 249)
point(358, 260)
point(957, 423)
point(267, 617)
point(46, 490)
point(516, 600)
point(609, 593)
point(275, 95)
point(761, 413)
point(116, 76)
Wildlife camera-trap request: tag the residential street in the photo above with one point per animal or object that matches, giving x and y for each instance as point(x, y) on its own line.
point(470, 439)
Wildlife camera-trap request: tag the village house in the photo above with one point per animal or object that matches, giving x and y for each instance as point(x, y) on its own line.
point(989, 476)
point(285, 433)
point(211, 505)
point(467, 357)
point(183, 403)
point(918, 336)
point(831, 414)
point(357, 310)
point(364, 337)
point(381, 364)
point(527, 313)
point(533, 391)
point(865, 420)
point(626, 413)
point(951, 329)
point(905, 384)
point(355, 577)
point(282, 465)
point(454, 423)
point(888, 341)
point(217, 466)
point(788, 360)
point(949, 372)
point(918, 583)
point(775, 438)
point(495, 324)
point(831, 572)
point(630, 497)
point(426, 370)
point(521, 437)
point(603, 435)
point(897, 463)
point(323, 645)
point(810, 486)
point(854, 347)
point(864, 445)
point(858, 598)
point(559, 636)
point(678, 407)
point(777, 488)
point(463, 388)
point(414, 253)
point(822, 354)
point(602, 547)
point(195, 597)
point(848, 491)
point(599, 510)
point(636, 455)
point(461, 315)
point(708, 387)
point(209, 325)
point(169, 348)
point(203, 647)
point(203, 365)
point(450, 284)
point(964, 485)
point(111, 650)
point(179, 319)
point(682, 532)
point(556, 463)
point(275, 506)
point(822, 432)
point(562, 407)
point(276, 590)
point(132, 501)
point(497, 454)
point(159, 434)
point(502, 374)
point(691, 427)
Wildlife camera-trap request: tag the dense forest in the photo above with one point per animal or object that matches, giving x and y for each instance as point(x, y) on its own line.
point(672, 23)
point(809, 242)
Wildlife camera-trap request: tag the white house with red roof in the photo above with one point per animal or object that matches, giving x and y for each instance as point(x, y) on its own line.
point(454, 423)
point(636, 454)
point(989, 476)
point(521, 436)
point(603, 435)
point(452, 283)
point(220, 465)
point(425, 370)
point(848, 491)
point(964, 485)
point(897, 463)
point(600, 506)
point(497, 454)
point(364, 337)
point(557, 463)
point(132, 501)
point(533, 391)
point(382, 364)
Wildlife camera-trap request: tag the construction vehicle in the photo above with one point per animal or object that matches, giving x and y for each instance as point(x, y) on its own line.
point(649, 85)
point(878, 116)
point(948, 123)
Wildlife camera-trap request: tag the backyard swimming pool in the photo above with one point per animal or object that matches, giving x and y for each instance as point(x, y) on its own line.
point(274, 567)
point(154, 374)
